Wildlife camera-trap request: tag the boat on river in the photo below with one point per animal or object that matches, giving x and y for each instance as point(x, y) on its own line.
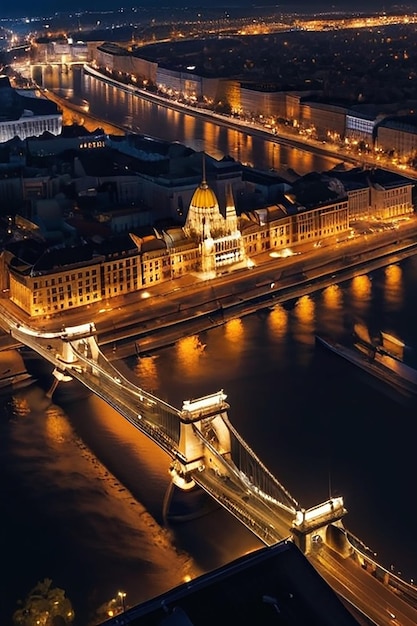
point(382, 358)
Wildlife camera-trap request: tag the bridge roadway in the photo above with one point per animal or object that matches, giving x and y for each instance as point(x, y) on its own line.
point(262, 504)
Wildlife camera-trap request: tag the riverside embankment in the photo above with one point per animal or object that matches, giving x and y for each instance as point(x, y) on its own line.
point(200, 305)
point(147, 320)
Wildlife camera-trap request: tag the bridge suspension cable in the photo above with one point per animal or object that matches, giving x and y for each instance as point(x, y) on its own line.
point(256, 473)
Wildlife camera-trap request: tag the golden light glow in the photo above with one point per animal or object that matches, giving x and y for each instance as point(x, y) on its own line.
point(146, 371)
point(189, 351)
point(189, 125)
point(233, 139)
point(274, 155)
point(20, 406)
point(361, 290)
point(212, 136)
point(187, 578)
point(234, 332)
point(57, 427)
point(332, 297)
point(305, 309)
point(393, 292)
point(278, 321)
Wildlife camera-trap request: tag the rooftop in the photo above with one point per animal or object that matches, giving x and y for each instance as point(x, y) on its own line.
point(275, 585)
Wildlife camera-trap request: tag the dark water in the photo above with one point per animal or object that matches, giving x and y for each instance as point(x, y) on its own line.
point(110, 104)
point(311, 418)
point(82, 491)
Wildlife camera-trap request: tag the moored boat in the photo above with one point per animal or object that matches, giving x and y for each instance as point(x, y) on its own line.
point(15, 382)
point(377, 361)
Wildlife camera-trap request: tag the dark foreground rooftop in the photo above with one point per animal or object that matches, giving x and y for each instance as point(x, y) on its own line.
point(275, 585)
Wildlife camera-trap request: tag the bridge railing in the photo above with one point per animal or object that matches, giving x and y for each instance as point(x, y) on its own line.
point(382, 573)
point(150, 414)
point(258, 476)
point(124, 407)
point(246, 465)
point(238, 510)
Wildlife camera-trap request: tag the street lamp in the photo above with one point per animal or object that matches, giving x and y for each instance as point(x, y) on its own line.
point(122, 596)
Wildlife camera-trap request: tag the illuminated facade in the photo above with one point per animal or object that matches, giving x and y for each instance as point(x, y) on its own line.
point(48, 293)
point(30, 125)
point(326, 119)
point(26, 115)
point(377, 193)
point(391, 201)
point(59, 50)
point(218, 237)
point(262, 99)
point(398, 135)
point(360, 127)
point(67, 278)
point(278, 227)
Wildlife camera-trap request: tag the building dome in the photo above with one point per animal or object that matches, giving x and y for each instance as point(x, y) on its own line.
point(204, 198)
point(204, 219)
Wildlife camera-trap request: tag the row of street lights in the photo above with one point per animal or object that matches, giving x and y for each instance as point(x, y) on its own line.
point(117, 605)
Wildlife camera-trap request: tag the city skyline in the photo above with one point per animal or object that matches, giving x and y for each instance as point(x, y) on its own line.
point(290, 331)
point(48, 7)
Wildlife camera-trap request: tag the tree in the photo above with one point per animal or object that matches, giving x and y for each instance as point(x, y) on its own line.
point(44, 606)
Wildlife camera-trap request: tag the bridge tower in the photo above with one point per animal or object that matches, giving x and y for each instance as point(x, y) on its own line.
point(76, 340)
point(321, 523)
point(202, 431)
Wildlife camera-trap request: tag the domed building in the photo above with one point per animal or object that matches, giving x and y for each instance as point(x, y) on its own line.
point(218, 236)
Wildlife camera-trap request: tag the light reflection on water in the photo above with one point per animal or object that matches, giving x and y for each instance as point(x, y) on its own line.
point(305, 413)
point(119, 107)
point(304, 313)
point(189, 351)
point(361, 291)
point(68, 518)
point(278, 322)
point(146, 372)
point(394, 292)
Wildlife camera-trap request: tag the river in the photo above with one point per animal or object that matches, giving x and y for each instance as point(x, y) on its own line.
point(83, 491)
point(125, 109)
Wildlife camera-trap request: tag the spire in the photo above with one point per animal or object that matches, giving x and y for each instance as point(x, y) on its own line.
point(231, 217)
point(204, 181)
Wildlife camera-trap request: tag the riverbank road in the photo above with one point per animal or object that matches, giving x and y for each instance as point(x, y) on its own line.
point(269, 276)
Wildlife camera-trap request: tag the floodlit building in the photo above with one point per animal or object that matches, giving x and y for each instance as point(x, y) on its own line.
point(46, 278)
point(26, 115)
point(398, 135)
point(218, 236)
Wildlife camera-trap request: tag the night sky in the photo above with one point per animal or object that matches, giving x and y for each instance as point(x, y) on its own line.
point(49, 7)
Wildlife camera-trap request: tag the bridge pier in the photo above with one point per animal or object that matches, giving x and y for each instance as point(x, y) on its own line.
point(59, 376)
point(204, 437)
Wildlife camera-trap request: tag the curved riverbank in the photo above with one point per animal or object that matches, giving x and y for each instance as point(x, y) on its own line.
point(287, 139)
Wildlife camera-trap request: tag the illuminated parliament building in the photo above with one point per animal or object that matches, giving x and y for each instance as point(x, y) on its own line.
point(44, 280)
